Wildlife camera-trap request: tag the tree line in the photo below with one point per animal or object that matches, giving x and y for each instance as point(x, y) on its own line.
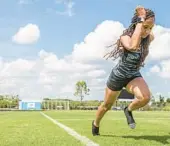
point(8, 101)
point(81, 90)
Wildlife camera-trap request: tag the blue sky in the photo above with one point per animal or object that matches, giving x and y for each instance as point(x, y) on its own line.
point(55, 28)
point(62, 25)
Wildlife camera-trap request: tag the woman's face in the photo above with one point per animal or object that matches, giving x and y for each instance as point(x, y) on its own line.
point(147, 27)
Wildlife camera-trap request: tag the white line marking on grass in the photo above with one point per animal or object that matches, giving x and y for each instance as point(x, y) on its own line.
point(70, 131)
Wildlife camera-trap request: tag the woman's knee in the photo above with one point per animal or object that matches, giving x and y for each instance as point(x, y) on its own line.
point(145, 97)
point(107, 106)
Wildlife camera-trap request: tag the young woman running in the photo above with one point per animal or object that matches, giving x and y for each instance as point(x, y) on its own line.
point(132, 49)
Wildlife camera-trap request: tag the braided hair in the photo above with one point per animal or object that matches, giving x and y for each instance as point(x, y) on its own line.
point(117, 52)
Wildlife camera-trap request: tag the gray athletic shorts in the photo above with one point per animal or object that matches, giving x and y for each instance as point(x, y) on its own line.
point(117, 81)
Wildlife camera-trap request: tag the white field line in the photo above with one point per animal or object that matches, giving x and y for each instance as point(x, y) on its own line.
point(73, 133)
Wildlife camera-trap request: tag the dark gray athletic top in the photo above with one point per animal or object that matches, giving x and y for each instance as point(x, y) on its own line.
point(128, 64)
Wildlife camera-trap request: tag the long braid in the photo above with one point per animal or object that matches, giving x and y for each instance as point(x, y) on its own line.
point(117, 52)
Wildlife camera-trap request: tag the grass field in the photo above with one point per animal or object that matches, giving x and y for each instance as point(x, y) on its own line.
point(33, 129)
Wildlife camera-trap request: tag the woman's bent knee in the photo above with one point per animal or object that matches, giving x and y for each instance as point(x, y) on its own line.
point(145, 98)
point(107, 106)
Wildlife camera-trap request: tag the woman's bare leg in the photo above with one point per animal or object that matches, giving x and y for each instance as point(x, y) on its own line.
point(140, 89)
point(109, 99)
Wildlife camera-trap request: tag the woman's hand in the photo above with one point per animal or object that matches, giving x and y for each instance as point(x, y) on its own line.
point(141, 12)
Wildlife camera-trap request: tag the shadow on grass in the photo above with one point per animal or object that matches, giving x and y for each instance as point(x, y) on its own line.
point(161, 139)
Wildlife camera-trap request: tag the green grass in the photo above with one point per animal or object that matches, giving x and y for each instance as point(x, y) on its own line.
point(32, 129)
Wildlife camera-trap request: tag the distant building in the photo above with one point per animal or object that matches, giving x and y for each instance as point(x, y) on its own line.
point(29, 105)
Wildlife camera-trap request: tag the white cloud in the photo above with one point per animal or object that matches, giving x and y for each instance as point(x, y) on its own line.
point(44, 76)
point(27, 35)
point(155, 69)
point(159, 48)
point(96, 73)
point(162, 71)
point(95, 43)
point(165, 72)
point(48, 75)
